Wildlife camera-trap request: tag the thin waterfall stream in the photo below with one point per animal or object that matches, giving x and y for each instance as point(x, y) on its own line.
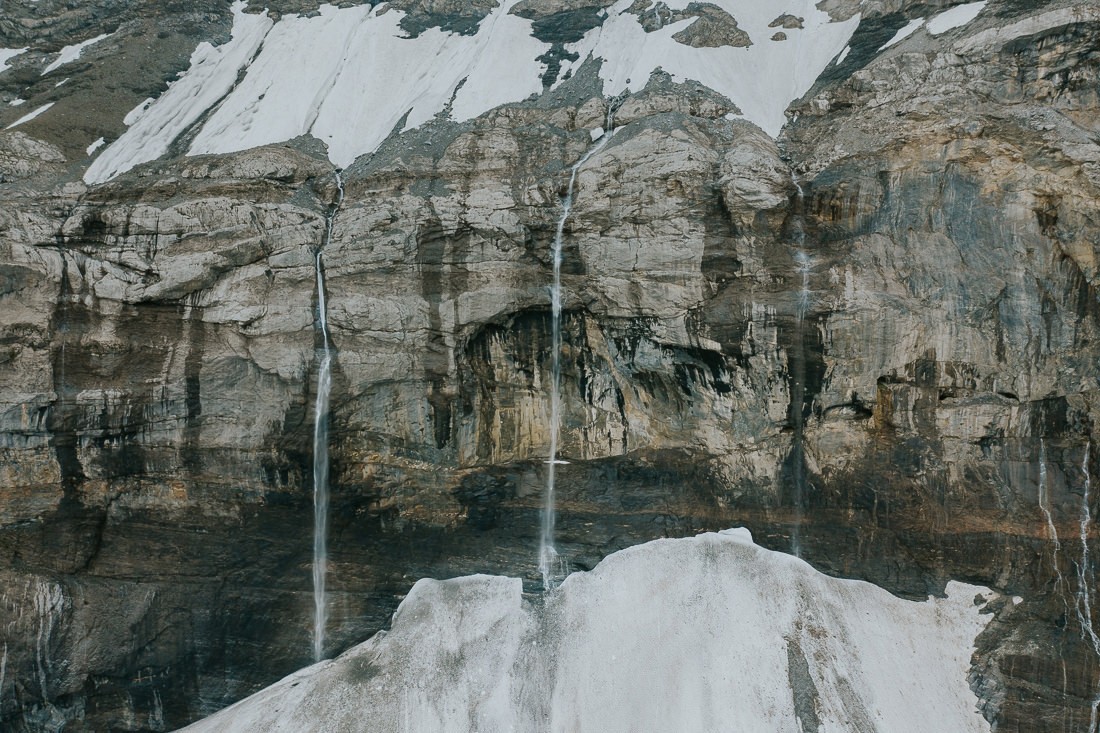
point(1044, 505)
point(803, 265)
point(320, 439)
point(550, 563)
point(1085, 581)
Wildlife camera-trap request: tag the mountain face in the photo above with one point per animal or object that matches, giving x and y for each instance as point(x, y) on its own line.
point(828, 272)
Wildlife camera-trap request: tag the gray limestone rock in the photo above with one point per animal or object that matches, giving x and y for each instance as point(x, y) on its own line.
point(861, 339)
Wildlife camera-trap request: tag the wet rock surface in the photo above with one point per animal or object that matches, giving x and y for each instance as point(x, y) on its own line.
point(875, 340)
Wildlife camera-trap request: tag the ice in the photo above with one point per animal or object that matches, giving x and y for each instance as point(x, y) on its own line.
point(212, 73)
point(903, 33)
point(957, 16)
point(6, 54)
point(762, 79)
point(710, 633)
point(30, 116)
point(70, 54)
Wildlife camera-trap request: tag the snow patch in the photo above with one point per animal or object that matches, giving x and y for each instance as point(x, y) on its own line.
point(17, 102)
point(843, 55)
point(762, 79)
point(6, 54)
point(351, 77)
point(699, 634)
point(63, 81)
point(70, 54)
point(30, 116)
point(903, 33)
point(957, 16)
point(364, 78)
point(95, 146)
point(1029, 26)
point(212, 74)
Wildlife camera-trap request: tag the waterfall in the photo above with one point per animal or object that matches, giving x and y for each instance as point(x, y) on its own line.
point(1044, 501)
point(1084, 581)
point(797, 368)
point(802, 261)
point(320, 440)
point(549, 561)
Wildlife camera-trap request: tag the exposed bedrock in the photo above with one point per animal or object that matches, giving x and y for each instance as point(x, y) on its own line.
point(876, 337)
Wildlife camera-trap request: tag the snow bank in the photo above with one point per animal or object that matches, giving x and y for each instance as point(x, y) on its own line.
point(762, 79)
point(704, 634)
point(957, 16)
point(363, 77)
point(70, 54)
point(30, 115)
point(212, 74)
point(350, 77)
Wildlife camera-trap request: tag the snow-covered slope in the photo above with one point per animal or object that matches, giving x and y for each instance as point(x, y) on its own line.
point(761, 79)
point(702, 634)
point(351, 76)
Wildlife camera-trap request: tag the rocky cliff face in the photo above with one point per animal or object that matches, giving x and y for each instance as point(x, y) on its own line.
point(873, 340)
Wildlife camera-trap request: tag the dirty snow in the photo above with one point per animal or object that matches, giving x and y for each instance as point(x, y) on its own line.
point(702, 634)
point(957, 16)
point(70, 54)
point(29, 116)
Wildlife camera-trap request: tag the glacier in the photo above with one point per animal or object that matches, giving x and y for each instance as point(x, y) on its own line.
point(706, 633)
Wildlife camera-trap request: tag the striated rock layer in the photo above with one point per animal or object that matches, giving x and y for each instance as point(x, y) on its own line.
point(873, 340)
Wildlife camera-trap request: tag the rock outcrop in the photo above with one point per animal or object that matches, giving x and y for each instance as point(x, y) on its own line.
point(872, 340)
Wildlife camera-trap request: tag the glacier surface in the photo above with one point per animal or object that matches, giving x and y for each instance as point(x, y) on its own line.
point(702, 634)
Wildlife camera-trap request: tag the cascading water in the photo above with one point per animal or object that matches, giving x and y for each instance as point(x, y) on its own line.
point(550, 563)
point(1085, 580)
point(797, 367)
point(3, 673)
point(320, 440)
point(1044, 501)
